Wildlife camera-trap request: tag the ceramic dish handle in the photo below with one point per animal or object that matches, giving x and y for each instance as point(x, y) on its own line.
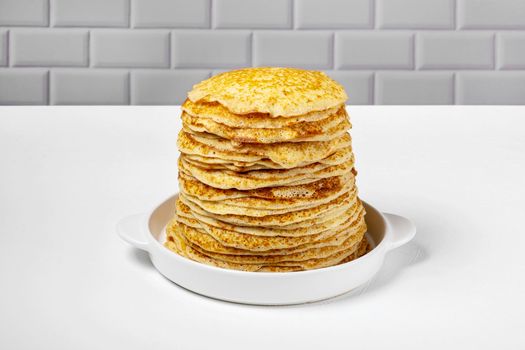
point(403, 230)
point(131, 229)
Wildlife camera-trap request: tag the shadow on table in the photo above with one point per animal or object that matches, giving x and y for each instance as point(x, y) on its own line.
point(396, 262)
point(141, 257)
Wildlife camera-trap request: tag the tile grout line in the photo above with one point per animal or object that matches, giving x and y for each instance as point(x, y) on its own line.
point(211, 8)
point(373, 14)
point(8, 48)
point(129, 13)
point(170, 58)
point(454, 88)
point(495, 41)
point(455, 14)
point(292, 15)
point(333, 51)
point(89, 48)
point(128, 78)
point(48, 75)
point(49, 13)
point(414, 48)
point(372, 89)
point(251, 50)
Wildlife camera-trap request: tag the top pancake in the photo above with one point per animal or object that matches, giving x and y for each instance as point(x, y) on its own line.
point(276, 91)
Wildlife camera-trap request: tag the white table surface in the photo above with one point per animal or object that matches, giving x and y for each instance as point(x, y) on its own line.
point(67, 175)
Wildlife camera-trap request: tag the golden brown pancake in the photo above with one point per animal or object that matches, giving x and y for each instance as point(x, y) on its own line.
point(178, 244)
point(227, 179)
point(286, 154)
point(219, 114)
point(272, 90)
point(283, 197)
point(230, 242)
point(326, 129)
point(338, 157)
point(319, 224)
point(346, 200)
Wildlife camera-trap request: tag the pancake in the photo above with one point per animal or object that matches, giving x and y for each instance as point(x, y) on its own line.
point(363, 248)
point(344, 201)
point(284, 197)
point(227, 179)
point(286, 154)
point(247, 224)
point(226, 165)
point(177, 244)
point(227, 208)
point(314, 226)
point(345, 256)
point(229, 242)
point(272, 90)
point(326, 129)
point(338, 157)
point(269, 239)
point(350, 243)
point(220, 114)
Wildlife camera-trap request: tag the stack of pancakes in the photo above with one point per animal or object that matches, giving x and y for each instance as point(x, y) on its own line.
point(266, 173)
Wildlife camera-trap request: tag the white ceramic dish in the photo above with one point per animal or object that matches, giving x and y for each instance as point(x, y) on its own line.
point(146, 232)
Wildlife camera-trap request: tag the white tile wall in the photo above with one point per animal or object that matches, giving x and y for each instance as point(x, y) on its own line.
point(24, 13)
point(80, 87)
point(491, 14)
point(163, 87)
point(92, 13)
point(252, 13)
point(455, 50)
point(374, 50)
point(323, 14)
point(412, 88)
point(416, 14)
point(305, 49)
point(205, 49)
point(490, 87)
point(48, 47)
point(124, 48)
point(511, 50)
point(23, 86)
point(170, 13)
point(153, 51)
